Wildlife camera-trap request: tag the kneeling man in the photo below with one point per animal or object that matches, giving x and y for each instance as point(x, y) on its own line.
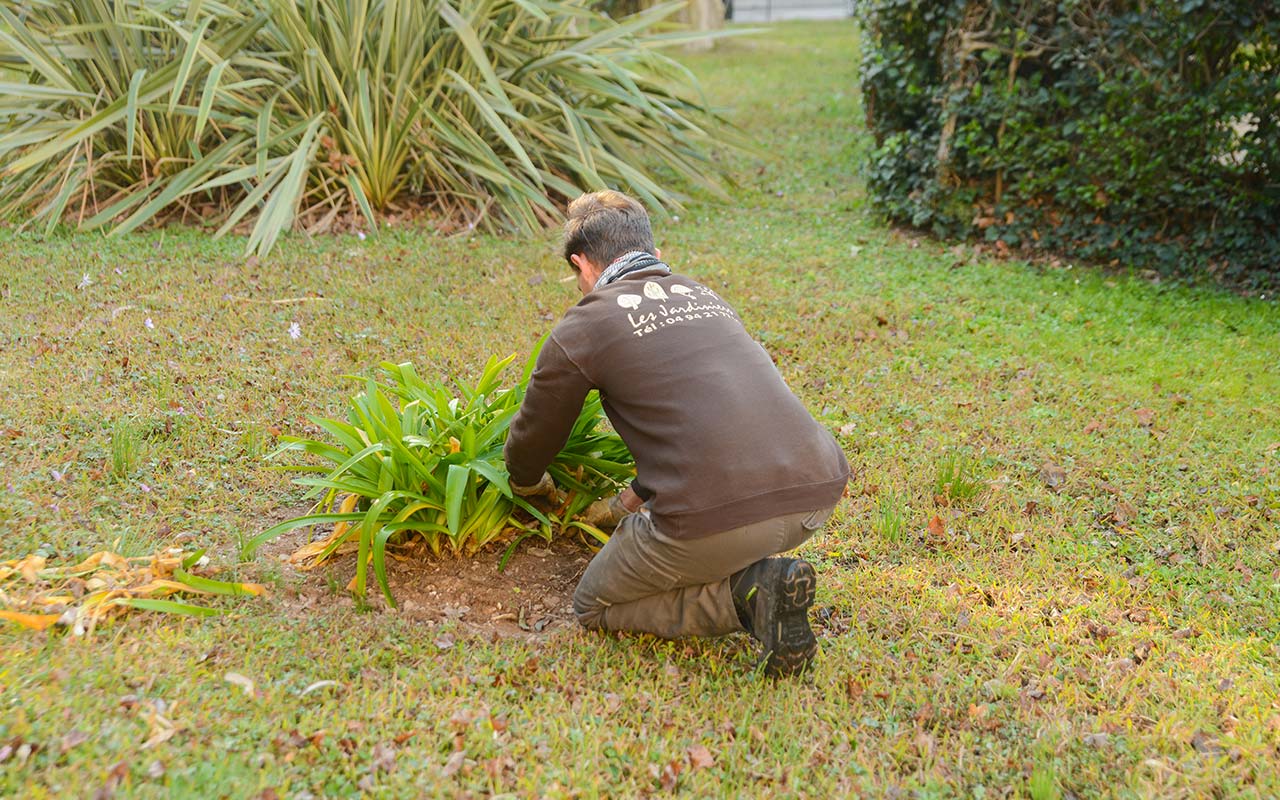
point(730, 467)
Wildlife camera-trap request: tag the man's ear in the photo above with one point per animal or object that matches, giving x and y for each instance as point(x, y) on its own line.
point(580, 262)
point(657, 253)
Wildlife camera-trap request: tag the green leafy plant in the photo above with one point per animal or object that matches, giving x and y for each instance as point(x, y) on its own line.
point(415, 458)
point(325, 112)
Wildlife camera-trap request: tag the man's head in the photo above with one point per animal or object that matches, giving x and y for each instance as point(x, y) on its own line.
point(602, 226)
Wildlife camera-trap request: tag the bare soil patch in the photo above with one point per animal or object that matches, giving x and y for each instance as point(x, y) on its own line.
point(531, 596)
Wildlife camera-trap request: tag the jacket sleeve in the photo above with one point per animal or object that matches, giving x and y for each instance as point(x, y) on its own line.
point(551, 406)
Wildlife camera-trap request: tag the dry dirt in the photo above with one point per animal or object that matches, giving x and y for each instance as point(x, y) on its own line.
point(529, 598)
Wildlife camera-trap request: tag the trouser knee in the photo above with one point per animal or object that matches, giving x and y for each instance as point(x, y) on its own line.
point(589, 611)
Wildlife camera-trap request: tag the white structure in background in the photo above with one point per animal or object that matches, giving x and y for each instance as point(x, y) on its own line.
point(779, 10)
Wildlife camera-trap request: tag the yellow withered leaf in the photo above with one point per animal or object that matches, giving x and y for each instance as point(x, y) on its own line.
point(308, 556)
point(165, 566)
point(454, 445)
point(29, 566)
point(160, 588)
point(35, 622)
point(348, 505)
point(102, 557)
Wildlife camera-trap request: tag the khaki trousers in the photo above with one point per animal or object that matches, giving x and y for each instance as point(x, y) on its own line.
point(647, 582)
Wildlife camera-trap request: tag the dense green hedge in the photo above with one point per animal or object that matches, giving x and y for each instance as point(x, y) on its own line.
point(1136, 133)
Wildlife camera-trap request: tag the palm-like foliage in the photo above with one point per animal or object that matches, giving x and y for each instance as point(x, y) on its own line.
point(414, 459)
point(279, 110)
point(123, 109)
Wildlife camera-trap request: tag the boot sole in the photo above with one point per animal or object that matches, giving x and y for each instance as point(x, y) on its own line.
point(794, 644)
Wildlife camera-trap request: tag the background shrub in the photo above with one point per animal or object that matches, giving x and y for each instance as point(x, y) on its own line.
point(274, 113)
point(1139, 133)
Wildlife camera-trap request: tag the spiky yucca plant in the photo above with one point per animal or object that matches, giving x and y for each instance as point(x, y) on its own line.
point(273, 112)
point(117, 111)
point(415, 459)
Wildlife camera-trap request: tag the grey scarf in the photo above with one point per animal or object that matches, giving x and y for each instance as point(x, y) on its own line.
point(627, 263)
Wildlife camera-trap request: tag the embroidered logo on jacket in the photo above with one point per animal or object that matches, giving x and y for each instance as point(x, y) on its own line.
point(694, 303)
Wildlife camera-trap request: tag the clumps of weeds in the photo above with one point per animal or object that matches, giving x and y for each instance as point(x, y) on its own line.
point(958, 481)
point(126, 448)
point(891, 516)
point(252, 441)
point(1043, 785)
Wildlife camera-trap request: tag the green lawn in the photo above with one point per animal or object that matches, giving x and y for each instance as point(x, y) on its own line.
point(1115, 636)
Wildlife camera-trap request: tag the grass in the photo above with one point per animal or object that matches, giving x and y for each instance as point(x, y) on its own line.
point(1045, 645)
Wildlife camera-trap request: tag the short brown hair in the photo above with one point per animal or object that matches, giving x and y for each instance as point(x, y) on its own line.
point(605, 225)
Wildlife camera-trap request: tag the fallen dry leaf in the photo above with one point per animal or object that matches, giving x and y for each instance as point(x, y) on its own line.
point(454, 763)
point(1124, 513)
point(35, 622)
point(74, 738)
point(1053, 476)
point(670, 776)
point(317, 686)
point(1146, 417)
point(108, 788)
point(462, 718)
point(236, 679)
point(700, 757)
point(29, 566)
point(1205, 744)
point(854, 689)
point(937, 527)
point(384, 757)
point(160, 728)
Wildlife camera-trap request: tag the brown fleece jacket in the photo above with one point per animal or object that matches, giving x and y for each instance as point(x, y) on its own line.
point(719, 440)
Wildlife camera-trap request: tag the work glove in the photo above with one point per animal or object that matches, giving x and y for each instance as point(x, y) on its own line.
point(605, 513)
point(545, 487)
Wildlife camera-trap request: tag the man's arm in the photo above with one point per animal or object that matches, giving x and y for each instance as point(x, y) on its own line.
point(551, 406)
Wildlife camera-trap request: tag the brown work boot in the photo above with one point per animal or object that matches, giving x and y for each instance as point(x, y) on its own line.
point(772, 598)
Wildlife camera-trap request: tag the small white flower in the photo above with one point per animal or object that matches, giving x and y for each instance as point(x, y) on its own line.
point(118, 272)
point(361, 235)
point(295, 330)
point(85, 282)
point(149, 324)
